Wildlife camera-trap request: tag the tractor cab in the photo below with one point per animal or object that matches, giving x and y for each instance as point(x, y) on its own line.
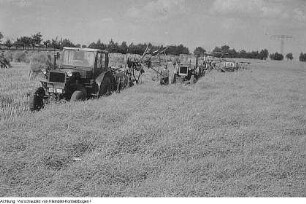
point(92, 61)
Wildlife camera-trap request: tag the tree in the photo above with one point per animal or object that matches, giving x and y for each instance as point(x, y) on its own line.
point(47, 43)
point(181, 49)
point(232, 53)
point(289, 56)
point(97, 45)
point(217, 52)
point(123, 48)
point(242, 54)
point(276, 56)
point(112, 46)
point(263, 55)
point(302, 57)
point(177, 50)
point(55, 43)
point(8, 43)
point(225, 48)
point(67, 43)
point(36, 39)
point(199, 51)
point(24, 41)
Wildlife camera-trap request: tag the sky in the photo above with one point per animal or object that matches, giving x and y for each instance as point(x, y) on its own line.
point(241, 24)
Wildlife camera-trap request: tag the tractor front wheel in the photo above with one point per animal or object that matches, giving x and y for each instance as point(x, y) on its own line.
point(78, 95)
point(37, 99)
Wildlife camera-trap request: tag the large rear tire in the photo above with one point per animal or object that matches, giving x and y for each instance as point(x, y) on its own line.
point(37, 99)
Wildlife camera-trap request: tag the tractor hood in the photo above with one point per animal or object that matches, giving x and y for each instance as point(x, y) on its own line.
point(85, 72)
point(68, 71)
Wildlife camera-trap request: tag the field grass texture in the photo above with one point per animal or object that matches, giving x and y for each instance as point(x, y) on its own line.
point(230, 134)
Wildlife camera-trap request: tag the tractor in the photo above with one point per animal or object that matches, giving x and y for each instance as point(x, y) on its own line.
point(189, 73)
point(81, 73)
point(182, 72)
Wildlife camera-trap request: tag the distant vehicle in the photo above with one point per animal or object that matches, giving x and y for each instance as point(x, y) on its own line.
point(82, 73)
point(188, 72)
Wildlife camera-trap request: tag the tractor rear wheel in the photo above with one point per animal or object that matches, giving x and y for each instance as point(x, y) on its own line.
point(79, 95)
point(37, 99)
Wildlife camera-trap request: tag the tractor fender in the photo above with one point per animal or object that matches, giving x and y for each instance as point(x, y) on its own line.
point(100, 78)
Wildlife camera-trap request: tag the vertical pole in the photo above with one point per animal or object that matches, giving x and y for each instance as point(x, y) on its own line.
point(54, 59)
point(282, 46)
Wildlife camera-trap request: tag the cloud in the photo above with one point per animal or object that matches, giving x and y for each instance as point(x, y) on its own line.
point(99, 23)
point(299, 15)
point(249, 8)
point(19, 3)
point(107, 20)
point(235, 6)
point(157, 10)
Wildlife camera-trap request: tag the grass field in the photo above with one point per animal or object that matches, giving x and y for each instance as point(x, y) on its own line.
point(230, 134)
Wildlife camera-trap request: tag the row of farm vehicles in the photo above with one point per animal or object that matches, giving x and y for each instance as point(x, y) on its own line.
point(83, 73)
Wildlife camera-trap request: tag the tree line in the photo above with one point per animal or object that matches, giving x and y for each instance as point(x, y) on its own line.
point(226, 52)
point(139, 48)
point(36, 40)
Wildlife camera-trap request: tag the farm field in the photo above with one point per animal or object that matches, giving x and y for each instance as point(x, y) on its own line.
point(230, 134)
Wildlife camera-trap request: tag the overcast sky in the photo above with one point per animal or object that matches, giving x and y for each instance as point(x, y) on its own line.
point(241, 24)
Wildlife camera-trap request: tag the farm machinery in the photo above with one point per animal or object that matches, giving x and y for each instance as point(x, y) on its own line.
point(189, 73)
point(181, 72)
point(231, 66)
point(81, 74)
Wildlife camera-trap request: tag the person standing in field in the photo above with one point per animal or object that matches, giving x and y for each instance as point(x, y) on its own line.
point(164, 80)
point(5, 63)
point(171, 70)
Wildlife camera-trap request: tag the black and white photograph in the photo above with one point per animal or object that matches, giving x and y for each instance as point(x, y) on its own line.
point(152, 99)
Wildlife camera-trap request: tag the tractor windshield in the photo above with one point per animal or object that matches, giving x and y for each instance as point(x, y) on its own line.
point(78, 58)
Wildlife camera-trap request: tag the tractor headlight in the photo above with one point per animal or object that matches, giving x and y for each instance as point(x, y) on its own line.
point(69, 73)
point(59, 90)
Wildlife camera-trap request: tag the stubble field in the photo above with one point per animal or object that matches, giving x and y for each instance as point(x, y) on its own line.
point(230, 134)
